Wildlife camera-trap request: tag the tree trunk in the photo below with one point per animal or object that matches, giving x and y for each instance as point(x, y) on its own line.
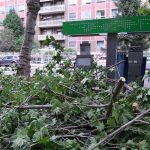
point(24, 68)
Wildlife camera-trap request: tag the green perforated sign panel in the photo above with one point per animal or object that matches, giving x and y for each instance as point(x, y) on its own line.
point(113, 25)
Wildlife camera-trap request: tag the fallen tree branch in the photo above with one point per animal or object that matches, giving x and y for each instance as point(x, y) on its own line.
point(32, 107)
point(50, 106)
point(113, 134)
point(114, 95)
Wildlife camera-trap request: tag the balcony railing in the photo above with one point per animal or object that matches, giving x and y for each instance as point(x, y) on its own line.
point(56, 36)
point(52, 9)
point(45, 0)
point(50, 23)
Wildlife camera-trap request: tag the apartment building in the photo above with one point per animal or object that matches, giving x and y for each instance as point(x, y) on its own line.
point(86, 10)
point(50, 20)
point(53, 13)
point(18, 5)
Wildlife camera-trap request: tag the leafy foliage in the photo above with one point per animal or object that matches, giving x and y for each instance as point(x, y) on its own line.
point(128, 8)
point(13, 22)
point(7, 41)
point(144, 10)
point(72, 120)
point(131, 8)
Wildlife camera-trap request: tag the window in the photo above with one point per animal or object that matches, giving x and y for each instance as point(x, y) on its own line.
point(21, 7)
point(114, 13)
point(72, 44)
point(2, 10)
point(100, 44)
point(86, 2)
point(72, 16)
point(86, 14)
point(59, 2)
point(100, 14)
point(59, 33)
point(72, 2)
point(98, 1)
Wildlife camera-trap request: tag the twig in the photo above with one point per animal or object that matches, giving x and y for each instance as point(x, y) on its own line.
point(105, 69)
point(73, 90)
point(109, 137)
point(115, 93)
point(71, 136)
point(129, 88)
point(142, 122)
point(92, 106)
point(59, 94)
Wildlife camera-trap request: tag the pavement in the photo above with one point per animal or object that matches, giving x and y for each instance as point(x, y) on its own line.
point(35, 66)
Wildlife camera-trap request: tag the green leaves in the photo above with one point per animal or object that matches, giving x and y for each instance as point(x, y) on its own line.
point(21, 139)
point(74, 119)
point(39, 135)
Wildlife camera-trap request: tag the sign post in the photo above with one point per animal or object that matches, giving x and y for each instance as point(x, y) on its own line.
point(134, 24)
point(111, 52)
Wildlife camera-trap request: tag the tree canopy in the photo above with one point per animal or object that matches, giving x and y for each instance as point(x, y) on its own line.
point(131, 8)
point(7, 41)
point(13, 22)
point(128, 7)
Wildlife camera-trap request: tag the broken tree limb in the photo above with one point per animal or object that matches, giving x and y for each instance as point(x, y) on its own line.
point(113, 134)
point(33, 107)
point(114, 95)
point(50, 106)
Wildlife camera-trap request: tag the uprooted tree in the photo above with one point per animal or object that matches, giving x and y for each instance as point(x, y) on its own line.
point(33, 6)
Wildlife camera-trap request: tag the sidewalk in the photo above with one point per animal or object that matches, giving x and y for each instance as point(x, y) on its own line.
point(38, 65)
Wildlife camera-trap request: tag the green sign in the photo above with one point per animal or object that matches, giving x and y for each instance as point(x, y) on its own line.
point(113, 25)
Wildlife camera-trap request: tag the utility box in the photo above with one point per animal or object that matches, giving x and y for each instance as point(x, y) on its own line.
point(84, 61)
point(85, 48)
point(135, 60)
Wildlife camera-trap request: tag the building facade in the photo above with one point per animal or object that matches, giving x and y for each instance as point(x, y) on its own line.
point(86, 10)
point(18, 5)
point(50, 20)
point(53, 13)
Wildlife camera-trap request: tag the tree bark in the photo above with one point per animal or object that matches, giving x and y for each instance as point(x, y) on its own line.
point(115, 93)
point(24, 69)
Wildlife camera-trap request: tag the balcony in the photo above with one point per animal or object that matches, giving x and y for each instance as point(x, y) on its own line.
point(56, 36)
point(50, 23)
point(45, 0)
point(52, 9)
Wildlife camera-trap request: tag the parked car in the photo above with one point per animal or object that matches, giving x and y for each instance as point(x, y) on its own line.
point(9, 61)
